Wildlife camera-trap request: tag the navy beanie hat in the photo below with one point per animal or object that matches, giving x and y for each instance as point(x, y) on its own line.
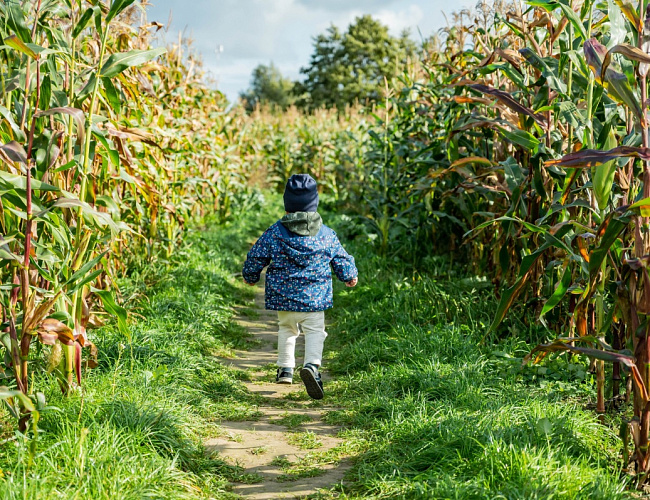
point(301, 194)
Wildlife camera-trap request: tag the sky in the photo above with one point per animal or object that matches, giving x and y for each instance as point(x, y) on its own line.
point(252, 32)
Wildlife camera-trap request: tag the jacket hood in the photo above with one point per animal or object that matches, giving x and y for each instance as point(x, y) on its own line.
point(303, 223)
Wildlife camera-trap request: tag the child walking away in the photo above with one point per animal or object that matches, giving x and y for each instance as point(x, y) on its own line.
point(301, 253)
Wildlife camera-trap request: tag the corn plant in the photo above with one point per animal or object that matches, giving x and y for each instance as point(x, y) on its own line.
point(105, 153)
point(527, 129)
point(325, 144)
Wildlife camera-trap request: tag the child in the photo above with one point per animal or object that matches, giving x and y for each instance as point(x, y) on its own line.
point(299, 251)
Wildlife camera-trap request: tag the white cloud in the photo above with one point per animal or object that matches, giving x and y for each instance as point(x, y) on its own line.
point(338, 5)
point(256, 32)
point(397, 21)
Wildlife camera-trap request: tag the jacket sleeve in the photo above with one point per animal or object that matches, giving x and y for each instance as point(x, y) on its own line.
point(257, 259)
point(343, 263)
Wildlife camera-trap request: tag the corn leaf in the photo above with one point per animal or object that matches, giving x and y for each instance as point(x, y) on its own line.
point(603, 174)
point(559, 293)
point(20, 182)
point(16, 43)
point(119, 62)
point(505, 98)
point(7, 394)
point(552, 79)
point(16, 21)
point(77, 114)
point(630, 12)
point(612, 357)
point(508, 297)
point(612, 227)
point(117, 7)
point(627, 51)
point(15, 152)
point(85, 18)
point(593, 157)
point(19, 135)
point(521, 138)
point(114, 309)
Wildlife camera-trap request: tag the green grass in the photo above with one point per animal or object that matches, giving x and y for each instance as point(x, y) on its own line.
point(305, 440)
point(291, 420)
point(436, 414)
point(302, 473)
point(425, 409)
point(293, 471)
point(249, 312)
point(137, 428)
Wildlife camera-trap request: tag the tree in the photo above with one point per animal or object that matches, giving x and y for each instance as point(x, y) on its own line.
point(350, 67)
point(268, 86)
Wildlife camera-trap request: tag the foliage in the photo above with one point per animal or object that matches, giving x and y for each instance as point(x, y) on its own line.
point(516, 144)
point(436, 414)
point(268, 88)
point(106, 152)
point(519, 145)
point(137, 428)
point(532, 141)
point(351, 67)
point(325, 144)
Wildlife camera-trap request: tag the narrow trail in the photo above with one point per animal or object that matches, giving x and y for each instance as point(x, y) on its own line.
point(288, 451)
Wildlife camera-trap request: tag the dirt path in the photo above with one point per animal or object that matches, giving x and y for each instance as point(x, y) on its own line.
point(289, 451)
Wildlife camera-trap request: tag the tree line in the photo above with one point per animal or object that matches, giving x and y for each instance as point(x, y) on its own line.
point(345, 68)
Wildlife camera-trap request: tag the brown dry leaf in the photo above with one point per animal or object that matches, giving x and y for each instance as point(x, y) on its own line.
point(91, 362)
point(51, 326)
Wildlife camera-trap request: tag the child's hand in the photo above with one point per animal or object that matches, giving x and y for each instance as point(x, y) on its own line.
point(352, 282)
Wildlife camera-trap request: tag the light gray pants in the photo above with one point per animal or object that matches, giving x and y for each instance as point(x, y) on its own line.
point(312, 324)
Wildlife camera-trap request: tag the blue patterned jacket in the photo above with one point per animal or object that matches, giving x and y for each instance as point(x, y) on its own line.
point(299, 277)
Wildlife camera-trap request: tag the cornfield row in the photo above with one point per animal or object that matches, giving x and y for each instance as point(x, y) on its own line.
point(108, 147)
point(520, 142)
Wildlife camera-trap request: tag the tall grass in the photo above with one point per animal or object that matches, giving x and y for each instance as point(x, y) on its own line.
point(109, 147)
point(137, 426)
point(518, 144)
point(437, 414)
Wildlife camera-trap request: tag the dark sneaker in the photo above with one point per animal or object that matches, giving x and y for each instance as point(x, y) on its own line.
point(311, 378)
point(284, 376)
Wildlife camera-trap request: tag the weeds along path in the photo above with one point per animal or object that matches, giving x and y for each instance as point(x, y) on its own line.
point(286, 450)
